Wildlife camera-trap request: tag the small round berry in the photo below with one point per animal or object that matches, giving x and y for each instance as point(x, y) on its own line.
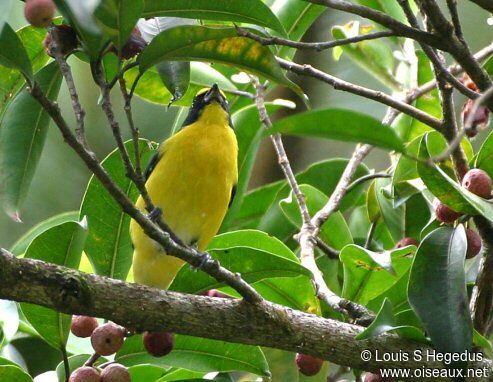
point(473, 243)
point(308, 365)
point(107, 339)
point(479, 120)
point(83, 326)
point(407, 241)
point(115, 373)
point(158, 344)
point(376, 377)
point(478, 182)
point(133, 46)
point(444, 213)
point(39, 13)
point(85, 374)
point(216, 293)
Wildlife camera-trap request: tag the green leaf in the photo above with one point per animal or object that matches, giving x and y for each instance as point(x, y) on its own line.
point(448, 190)
point(151, 87)
point(373, 56)
point(11, 80)
point(488, 66)
point(201, 43)
point(334, 231)
point(386, 322)
point(20, 246)
point(198, 354)
point(145, 373)
point(177, 374)
point(484, 159)
point(22, 136)
point(392, 216)
point(81, 18)
point(296, 17)
point(253, 265)
point(117, 18)
point(248, 131)
point(437, 290)
point(13, 374)
point(175, 76)
point(61, 245)
point(368, 274)
point(342, 125)
point(108, 245)
point(251, 11)
point(12, 52)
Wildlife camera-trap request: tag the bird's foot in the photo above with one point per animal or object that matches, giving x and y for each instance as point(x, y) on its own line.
point(155, 214)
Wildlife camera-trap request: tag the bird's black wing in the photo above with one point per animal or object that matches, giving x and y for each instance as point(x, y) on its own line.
point(151, 165)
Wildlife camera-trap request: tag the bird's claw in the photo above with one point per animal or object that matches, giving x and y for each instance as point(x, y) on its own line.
point(155, 214)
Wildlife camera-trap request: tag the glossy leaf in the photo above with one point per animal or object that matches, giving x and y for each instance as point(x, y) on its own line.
point(61, 245)
point(22, 136)
point(386, 322)
point(198, 354)
point(145, 373)
point(20, 246)
point(9, 319)
point(12, 53)
point(175, 76)
point(392, 216)
point(108, 245)
point(368, 274)
point(201, 43)
point(11, 80)
point(449, 191)
point(342, 125)
point(437, 290)
point(373, 56)
point(117, 18)
point(177, 374)
point(334, 231)
point(296, 17)
point(12, 373)
point(251, 11)
point(253, 265)
point(151, 87)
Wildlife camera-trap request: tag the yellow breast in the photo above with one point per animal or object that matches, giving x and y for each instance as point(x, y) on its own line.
point(192, 184)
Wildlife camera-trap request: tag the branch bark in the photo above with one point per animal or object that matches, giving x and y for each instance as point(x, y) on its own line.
point(144, 308)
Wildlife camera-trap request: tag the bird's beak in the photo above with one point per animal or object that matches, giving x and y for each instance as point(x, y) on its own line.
point(213, 94)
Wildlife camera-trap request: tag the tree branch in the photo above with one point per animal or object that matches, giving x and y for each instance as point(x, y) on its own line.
point(319, 46)
point(485, 4)
point(265, 324)
point(375, 95)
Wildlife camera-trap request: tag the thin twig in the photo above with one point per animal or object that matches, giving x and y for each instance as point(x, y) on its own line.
point(365, 178)
point(319, 46)
point(281, 153)
point(369, 236)
point(454, 14)
point(327, 249)
point(375, 95)
point(66, 364)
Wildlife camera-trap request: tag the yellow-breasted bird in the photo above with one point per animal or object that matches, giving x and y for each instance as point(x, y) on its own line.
point(191, 179)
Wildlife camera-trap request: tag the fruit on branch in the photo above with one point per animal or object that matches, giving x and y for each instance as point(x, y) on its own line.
point(215, 293)
point(308, 365)
point(158, 344)
point(39, 13)
point(115, 373)
point(377, 377)
point(133, 46)
point(444, 213)
point(479, 121)
point(66, 39)
point(107, 339)
point(83, 326)
point(407, 241)
point(473, 243)
point(85, 374)
point(478, 182)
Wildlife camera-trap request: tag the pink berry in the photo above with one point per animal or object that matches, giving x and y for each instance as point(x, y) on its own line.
point(39, 13)
point(444, 213)
point(85, 374)
point(115, 373)
point(376, 377)
point(478, 182)
point(473, 243)
point(158, 344)
point(407, 241)
point(107, 339)
point(308, 365)
point(83, 326)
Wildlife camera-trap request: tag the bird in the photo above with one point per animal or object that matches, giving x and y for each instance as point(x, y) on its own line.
point(191, 180)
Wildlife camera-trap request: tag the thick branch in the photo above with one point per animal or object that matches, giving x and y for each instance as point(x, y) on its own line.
point(144, 308)
point(375, 95)
point(485, 4)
